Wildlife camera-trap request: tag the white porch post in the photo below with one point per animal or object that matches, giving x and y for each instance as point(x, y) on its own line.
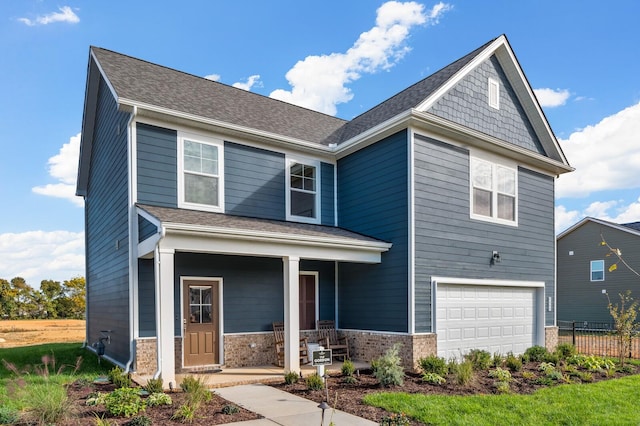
point(291, 313)
point(165, 329)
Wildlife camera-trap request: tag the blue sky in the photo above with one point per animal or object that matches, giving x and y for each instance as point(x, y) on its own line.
point(340, 57)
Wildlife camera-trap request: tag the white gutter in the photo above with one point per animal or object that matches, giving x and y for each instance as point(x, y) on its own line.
point(132, 242)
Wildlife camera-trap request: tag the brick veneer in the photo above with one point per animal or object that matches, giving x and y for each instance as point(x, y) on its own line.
point(256, 349)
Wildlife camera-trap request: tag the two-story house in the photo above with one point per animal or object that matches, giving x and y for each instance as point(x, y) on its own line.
point(212, 212)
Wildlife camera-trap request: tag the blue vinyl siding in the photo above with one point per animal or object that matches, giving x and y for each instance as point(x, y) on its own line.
point(157, 165)
point(467, 104)
point(106, 229)
point(145, 229)
point(146, 298)
point(579, 298)
point(449, 243)
point(373, 200)
point(254, 182)
point(328, 194)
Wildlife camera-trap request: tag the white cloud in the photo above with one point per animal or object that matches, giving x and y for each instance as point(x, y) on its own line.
point(39, 255)
point(65, 15)
point(551, 98)
point(565, 219)
point(606, 156)
point(319, 82)
point(613, 211)
point(253, 80)
point(213, 77)
point(64, 168)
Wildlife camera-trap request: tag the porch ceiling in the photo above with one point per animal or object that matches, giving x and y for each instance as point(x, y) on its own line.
point(205, 232)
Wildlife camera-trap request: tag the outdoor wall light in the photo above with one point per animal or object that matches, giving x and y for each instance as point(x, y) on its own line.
point(495, 257)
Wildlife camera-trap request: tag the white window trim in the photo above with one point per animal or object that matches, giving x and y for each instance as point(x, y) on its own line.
point(204, 140)
point(316, 276)
point(494, 192)
point(493, 88)
point(591, 270)
point(309, 162)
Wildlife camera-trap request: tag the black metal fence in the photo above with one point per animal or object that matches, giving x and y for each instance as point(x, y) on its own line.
point(594, 338)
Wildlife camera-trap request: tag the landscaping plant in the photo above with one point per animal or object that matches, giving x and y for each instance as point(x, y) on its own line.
point(389, 371)
point(433, 364)
point(315, 382)
point(124, 402)
point(480, 359)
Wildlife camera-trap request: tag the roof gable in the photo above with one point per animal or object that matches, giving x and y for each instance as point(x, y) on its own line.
point(629, 228)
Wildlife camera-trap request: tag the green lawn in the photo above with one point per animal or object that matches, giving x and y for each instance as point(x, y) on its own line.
point(611, 402)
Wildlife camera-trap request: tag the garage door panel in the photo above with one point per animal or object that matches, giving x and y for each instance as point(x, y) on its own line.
point(492, 318)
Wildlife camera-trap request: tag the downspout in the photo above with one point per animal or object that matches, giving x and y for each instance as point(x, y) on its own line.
point(156, 277)
point(132, 244)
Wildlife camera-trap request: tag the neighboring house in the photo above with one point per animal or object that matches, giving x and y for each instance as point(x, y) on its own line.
point(583, 268)
point(213, 211)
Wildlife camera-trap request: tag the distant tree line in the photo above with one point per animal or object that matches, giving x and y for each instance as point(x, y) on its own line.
point(18, 300)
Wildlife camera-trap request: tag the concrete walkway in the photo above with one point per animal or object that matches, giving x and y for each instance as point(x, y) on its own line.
point(282, 408)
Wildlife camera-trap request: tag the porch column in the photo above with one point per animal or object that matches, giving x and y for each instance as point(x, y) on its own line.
point(291, 313)
point(165, 325)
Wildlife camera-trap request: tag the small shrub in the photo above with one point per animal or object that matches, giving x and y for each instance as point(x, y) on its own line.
point(433, 378)
point(389, 370)
point(154, 386)
point(230, 409)
point(395, 420)
point(315, 382)
point(186, 413)
point(96, 398)
point(463, 373)
point(626, 369)
point(544, 381)
point(480, 359)
point(119, 378)
point(196, 391)
point(546, 367)
point(348, 368)
point(571, 370)
point(349, 380)
point(8, 415)
point(101, 421)
point(502, 387)
point(124, 402)
point(535, 354)
point(497, 360)
point(500, 374)
point(433, 364)
point(159, 398)
point(139, 421)
point(528, 375)
point(585, 376)
point(556, 375)
point(553, 358)
point(513, 362)
point(291, 377)
point(565, 351)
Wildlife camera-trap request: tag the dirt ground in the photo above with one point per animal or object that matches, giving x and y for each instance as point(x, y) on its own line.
point(36, 332)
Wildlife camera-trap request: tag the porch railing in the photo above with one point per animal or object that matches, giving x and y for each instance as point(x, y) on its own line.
point(594, 338)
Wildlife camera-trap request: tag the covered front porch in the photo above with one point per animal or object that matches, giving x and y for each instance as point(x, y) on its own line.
point(182, 234)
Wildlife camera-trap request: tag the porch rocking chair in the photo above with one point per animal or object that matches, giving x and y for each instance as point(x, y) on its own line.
point(328, 337)
point(278, 337)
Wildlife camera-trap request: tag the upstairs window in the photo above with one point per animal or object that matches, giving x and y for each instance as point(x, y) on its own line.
point(303, 199)
point(493, 192)
point(200, 180)
point(494, 93)
point(597, 270)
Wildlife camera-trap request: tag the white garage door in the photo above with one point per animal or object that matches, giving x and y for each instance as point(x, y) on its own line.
point(492, 318)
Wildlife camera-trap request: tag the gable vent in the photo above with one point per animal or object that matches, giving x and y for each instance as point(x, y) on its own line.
point(494, 94)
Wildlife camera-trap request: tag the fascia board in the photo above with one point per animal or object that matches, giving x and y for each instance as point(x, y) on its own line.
point(180, 117)
point(249, 235)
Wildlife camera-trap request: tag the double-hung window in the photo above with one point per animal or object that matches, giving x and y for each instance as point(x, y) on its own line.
point(303, 190)
point(200, 181)
point(597, 270)
point(493, 192)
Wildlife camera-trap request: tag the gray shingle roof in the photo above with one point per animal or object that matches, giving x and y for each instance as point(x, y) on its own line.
point(633, 225)
point(144, 82)
point(239, 223)
point(148, 83)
